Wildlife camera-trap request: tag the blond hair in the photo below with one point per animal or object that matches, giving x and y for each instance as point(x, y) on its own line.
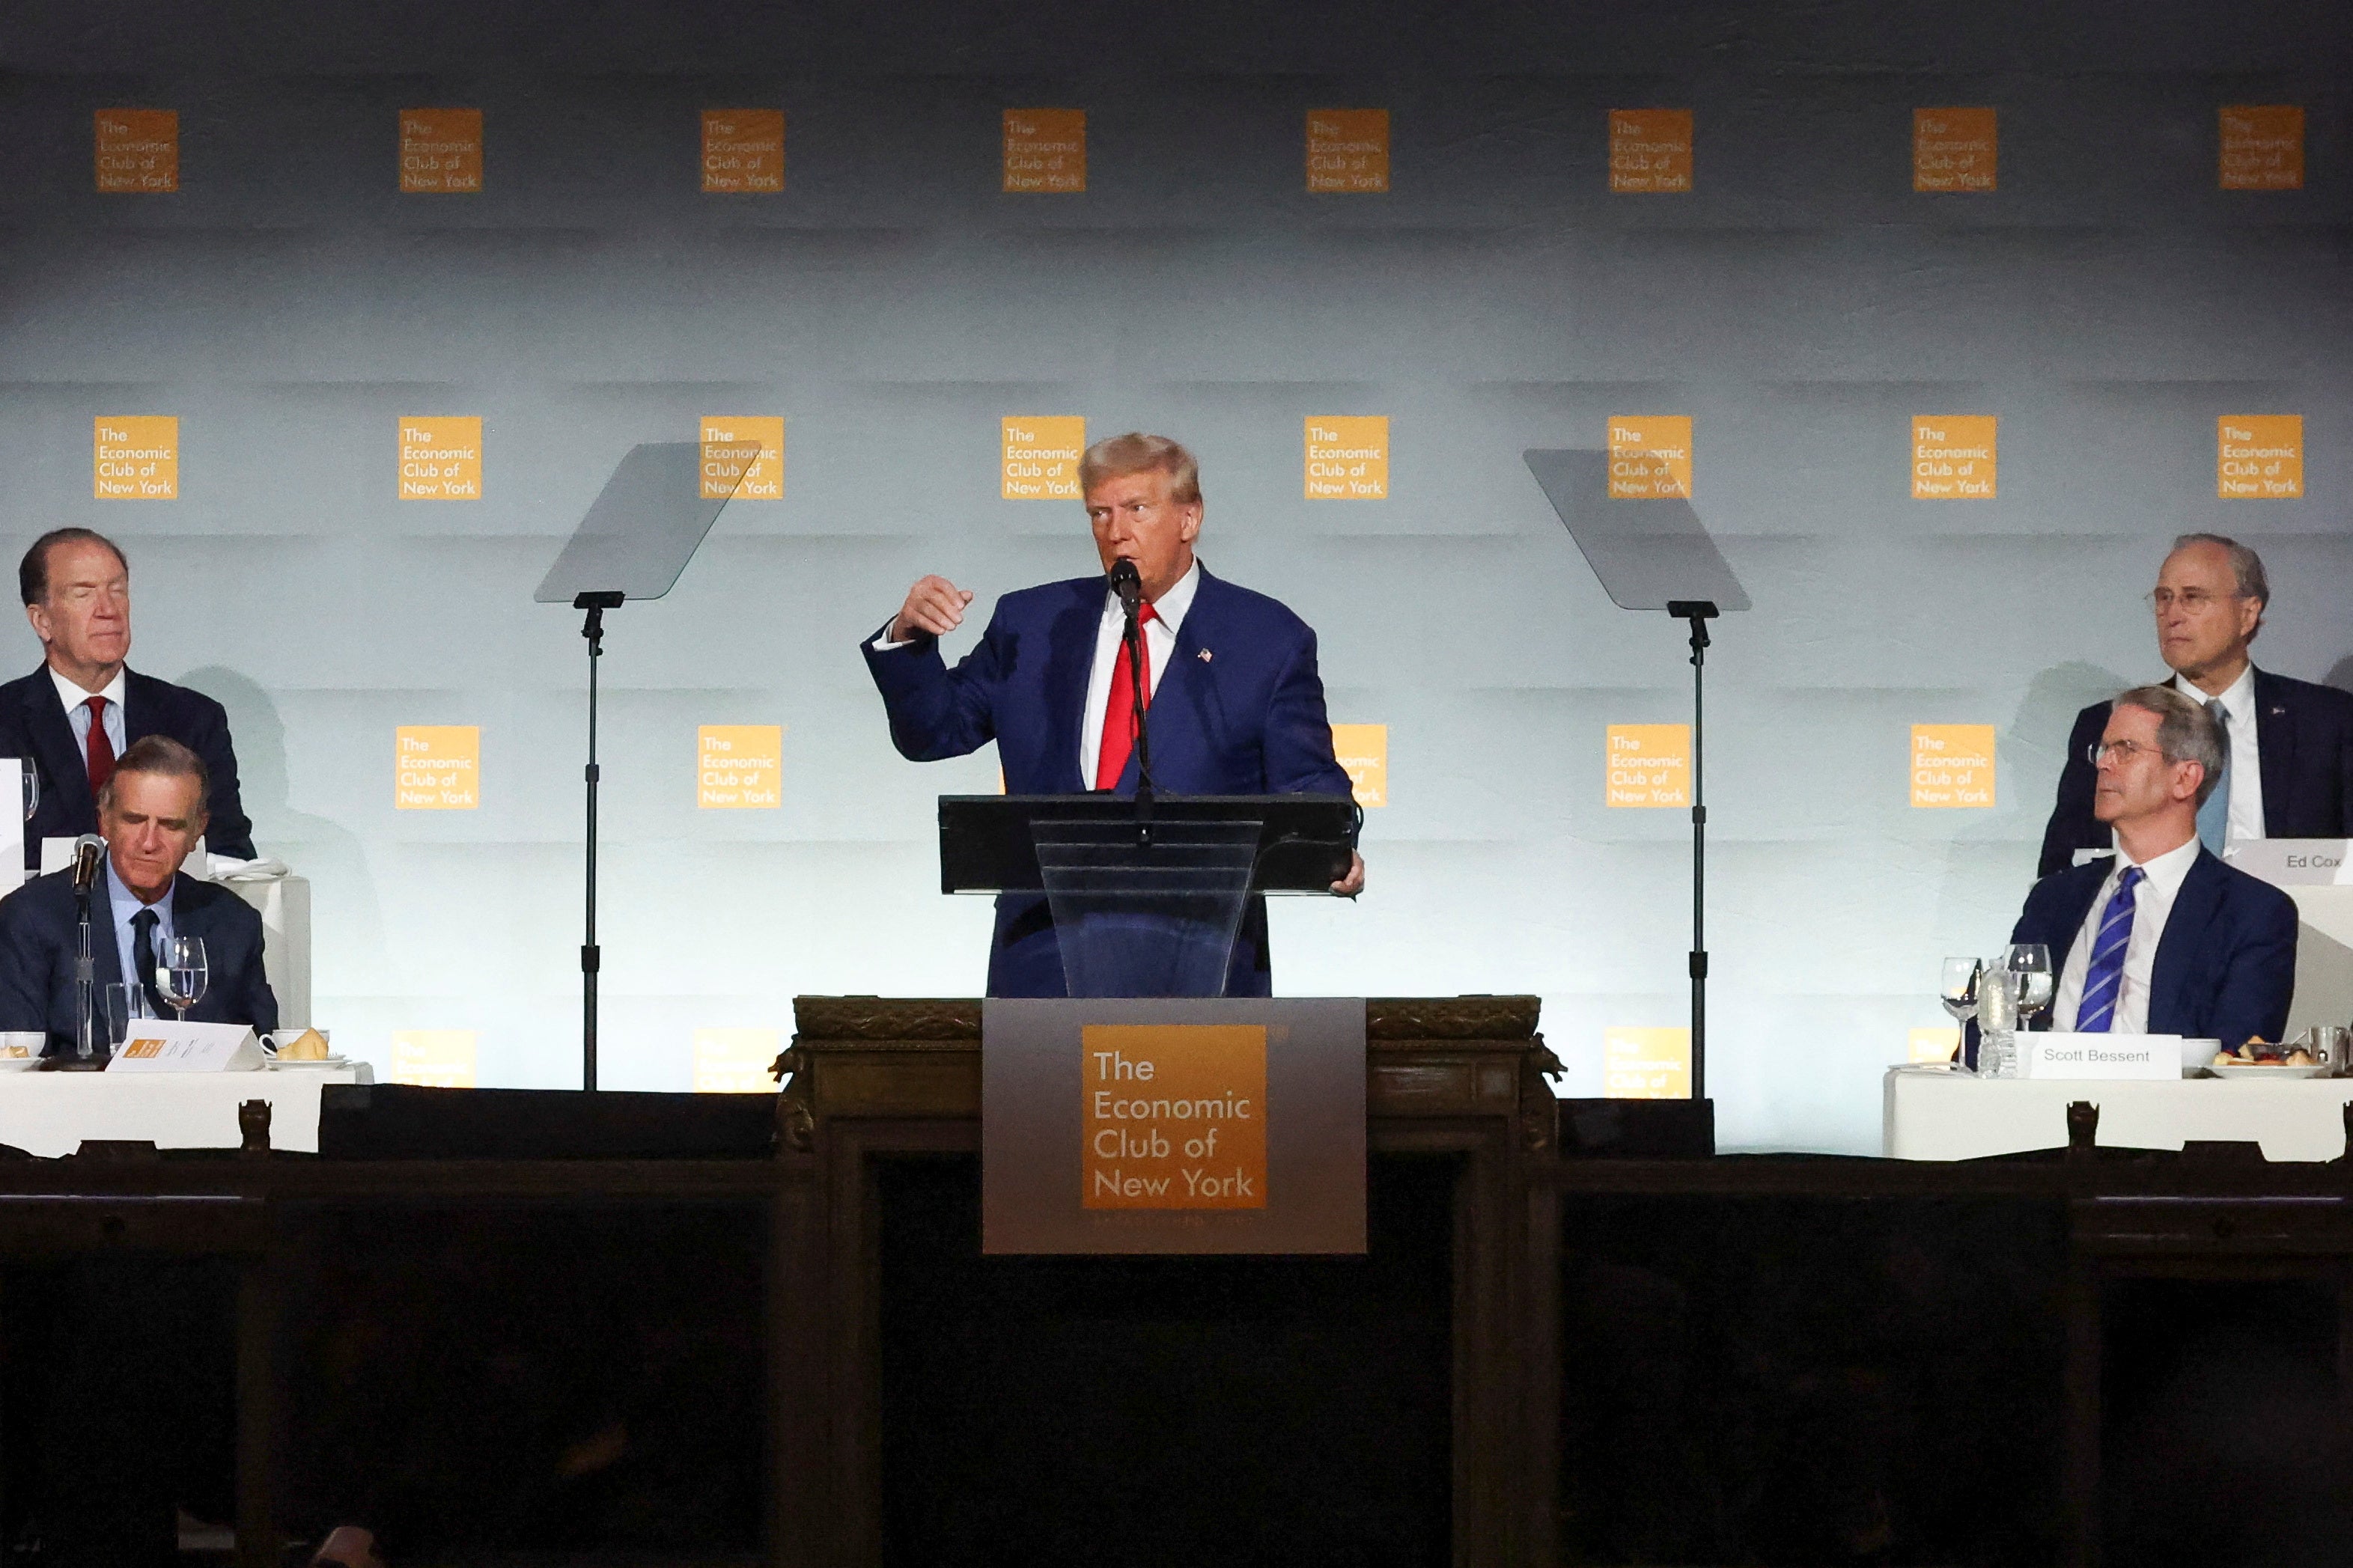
point(1116, 457)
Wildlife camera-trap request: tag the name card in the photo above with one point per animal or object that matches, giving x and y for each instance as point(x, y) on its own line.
point(2293, 862)
point(2057, 1055)
point(161, 1045)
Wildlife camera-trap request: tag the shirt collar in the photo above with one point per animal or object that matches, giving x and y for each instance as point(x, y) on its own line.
point(2165, 872)
point(2238, 698)
point(73, 696)
point(1170, 607)
point(126, 902)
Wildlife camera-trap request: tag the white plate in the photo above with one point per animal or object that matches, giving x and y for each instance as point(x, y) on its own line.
point(19, 1064)
point(2267, 1069)
point(281, 1062)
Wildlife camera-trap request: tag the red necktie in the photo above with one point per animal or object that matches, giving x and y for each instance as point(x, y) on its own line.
point(1119, 717)
point(101, 749)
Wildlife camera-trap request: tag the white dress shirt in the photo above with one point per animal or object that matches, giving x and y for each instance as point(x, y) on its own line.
point(76, 703)
point(2160, 882)
point(1159, 646)
point(2246, 820)
point(125, 904)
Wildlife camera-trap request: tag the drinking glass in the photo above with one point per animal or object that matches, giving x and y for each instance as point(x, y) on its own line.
point(117, 1005)
point(180, 973)
point(2030, 963)
point(32, 788)
point(1958, 993)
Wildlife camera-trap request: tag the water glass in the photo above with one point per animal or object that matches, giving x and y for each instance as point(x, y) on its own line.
point(181, 972)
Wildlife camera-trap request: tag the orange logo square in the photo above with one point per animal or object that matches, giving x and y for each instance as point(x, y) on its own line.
point(1647, 766)
point(441, 457)
point(435, 1059)
point(1650, 151)
point(1040, 456)
point(1953, 457)
point(739, 767)
point(2263, 148)
point(1952, 765)
point(436, 767)
point(1363, 752)
point(1953, 149)
point(742, 149)
point(743, 457)
point(440, 151)
point(1046, 150)
point(735, 1061)
point(1347, 150)
point(1649, 456)
point(1348, 458)
point(2259, 457)
point(1174, 1116)
point(1645, 1064)
point(135, 457)
point(138, 151)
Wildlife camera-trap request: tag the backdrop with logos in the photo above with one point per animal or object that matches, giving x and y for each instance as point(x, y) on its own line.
point(1946, 321)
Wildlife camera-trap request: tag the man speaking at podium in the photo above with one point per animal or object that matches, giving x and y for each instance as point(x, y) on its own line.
point(1235, 706)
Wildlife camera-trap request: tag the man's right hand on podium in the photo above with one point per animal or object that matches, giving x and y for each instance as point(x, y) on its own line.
point(935, 607)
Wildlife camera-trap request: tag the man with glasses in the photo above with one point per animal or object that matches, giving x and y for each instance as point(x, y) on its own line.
point(2287, 769)
point(2164, 939)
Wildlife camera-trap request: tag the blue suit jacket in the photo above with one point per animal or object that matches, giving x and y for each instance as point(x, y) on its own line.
point(33, 726)
point(1238, 710)
point(2226, 966)
point(2304, 738)
point(39, 933)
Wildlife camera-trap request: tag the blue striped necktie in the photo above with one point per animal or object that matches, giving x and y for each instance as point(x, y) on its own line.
point(2103, 983)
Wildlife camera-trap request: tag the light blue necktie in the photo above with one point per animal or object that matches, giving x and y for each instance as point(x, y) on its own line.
point(2214, 816)
point(2104, 980)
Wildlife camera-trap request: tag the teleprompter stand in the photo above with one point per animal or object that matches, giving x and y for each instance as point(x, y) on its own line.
point(1655, 555)
point(645, 526)
point(1146, 894)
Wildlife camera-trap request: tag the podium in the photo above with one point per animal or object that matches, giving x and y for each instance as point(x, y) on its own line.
point(1147, 895)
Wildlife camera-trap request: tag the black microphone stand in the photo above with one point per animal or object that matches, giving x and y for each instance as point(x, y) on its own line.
point(591, 959)
point(1698, 612)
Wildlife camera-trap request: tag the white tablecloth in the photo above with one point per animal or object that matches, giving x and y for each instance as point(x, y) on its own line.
point(1935, 1114)
point(49, 1113)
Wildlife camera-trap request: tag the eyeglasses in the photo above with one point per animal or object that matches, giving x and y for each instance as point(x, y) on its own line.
point(2193, 600)
point(2123, 751)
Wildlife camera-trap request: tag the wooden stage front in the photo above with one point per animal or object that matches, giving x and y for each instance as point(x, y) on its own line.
point(800, 1356)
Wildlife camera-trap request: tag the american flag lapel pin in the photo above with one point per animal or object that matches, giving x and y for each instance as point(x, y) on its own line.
point(1205, 656)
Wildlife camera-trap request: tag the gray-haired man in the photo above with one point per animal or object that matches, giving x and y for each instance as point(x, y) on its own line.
point(2288, 771)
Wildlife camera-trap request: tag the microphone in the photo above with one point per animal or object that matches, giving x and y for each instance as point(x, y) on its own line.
point(1127, 586)
point(88, 850)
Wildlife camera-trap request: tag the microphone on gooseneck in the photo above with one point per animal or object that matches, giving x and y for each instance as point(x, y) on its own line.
point(1127, 586)
point(88, 850)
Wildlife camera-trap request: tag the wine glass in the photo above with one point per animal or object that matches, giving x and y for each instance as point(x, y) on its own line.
point(32, 788)
point(181, 973)
point(1958, 992)
point(2030, 963)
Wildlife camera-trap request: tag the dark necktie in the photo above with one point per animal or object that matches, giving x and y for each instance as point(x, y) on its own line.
point(2103, 977)
point(1119, 715)
point(101, 749)
point(143, 959)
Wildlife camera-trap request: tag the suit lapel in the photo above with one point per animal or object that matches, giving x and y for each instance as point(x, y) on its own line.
point(105, 950)
point(2275, 748)
point(2194, 908)
point(1069, 664)
point(63, 767)
point(141, 712)
point(2076, 909)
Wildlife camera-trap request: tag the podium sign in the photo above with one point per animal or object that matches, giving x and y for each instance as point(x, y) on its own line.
point(1174, 1125)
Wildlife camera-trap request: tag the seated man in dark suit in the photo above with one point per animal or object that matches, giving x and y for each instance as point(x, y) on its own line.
point(152, 810)
point(2164, 939)
point(70, 718)
point(1234, 705)
point(2287, 770)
